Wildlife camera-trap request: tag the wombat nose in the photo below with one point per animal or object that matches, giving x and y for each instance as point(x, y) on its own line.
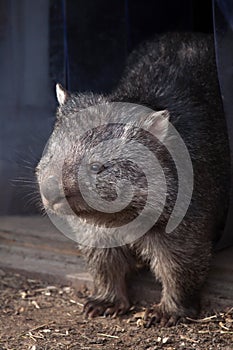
point(50, 189)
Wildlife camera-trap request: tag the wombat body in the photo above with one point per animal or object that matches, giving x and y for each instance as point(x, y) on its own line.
point(175, 73)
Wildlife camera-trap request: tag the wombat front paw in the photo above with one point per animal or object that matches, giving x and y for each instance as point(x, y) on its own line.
point(95, 307)
point(165, 319)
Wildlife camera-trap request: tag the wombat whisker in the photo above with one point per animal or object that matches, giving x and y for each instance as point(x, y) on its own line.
point(34, 198)
point(24, 183)
point(28, 167)
point(23, 180)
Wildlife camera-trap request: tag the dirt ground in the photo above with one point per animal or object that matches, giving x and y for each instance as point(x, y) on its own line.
point(36, 316)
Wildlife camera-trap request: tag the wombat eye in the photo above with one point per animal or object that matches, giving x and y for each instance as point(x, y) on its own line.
point(95, 167)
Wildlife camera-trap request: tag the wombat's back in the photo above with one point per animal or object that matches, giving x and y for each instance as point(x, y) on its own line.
point(175, 62)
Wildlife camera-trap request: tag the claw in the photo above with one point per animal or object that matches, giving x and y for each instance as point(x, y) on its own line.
point(94, 308)
point(164, 319)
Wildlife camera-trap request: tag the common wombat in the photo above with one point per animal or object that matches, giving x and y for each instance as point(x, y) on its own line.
point(175, 75)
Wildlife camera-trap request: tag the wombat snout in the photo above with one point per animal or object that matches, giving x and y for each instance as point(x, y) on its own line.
point(50, 189)
point(60, 196)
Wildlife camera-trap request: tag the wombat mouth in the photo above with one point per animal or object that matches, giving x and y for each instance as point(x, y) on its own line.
point(64, 206)
point(72, 206)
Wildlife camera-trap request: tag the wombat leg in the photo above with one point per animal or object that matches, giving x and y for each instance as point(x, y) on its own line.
point(182, 273)
point(109, 268)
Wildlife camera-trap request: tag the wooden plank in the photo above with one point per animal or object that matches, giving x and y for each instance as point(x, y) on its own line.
point(33, 246)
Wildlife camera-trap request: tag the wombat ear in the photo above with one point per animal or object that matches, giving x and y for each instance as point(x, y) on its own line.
point(157, 123)
point(62, 94)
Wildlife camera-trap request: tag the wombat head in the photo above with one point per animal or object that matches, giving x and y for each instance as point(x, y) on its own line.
point(99, 158)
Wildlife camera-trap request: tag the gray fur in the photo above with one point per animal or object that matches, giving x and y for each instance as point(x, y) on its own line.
point(176, 73)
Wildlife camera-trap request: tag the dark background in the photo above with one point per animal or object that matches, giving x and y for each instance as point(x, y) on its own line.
point(82, 44)
point(100, 34)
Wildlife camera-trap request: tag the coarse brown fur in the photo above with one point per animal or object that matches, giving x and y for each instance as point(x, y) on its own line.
point(177, 73)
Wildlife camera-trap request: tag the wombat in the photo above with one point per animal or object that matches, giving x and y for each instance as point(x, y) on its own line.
point(174, 75)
